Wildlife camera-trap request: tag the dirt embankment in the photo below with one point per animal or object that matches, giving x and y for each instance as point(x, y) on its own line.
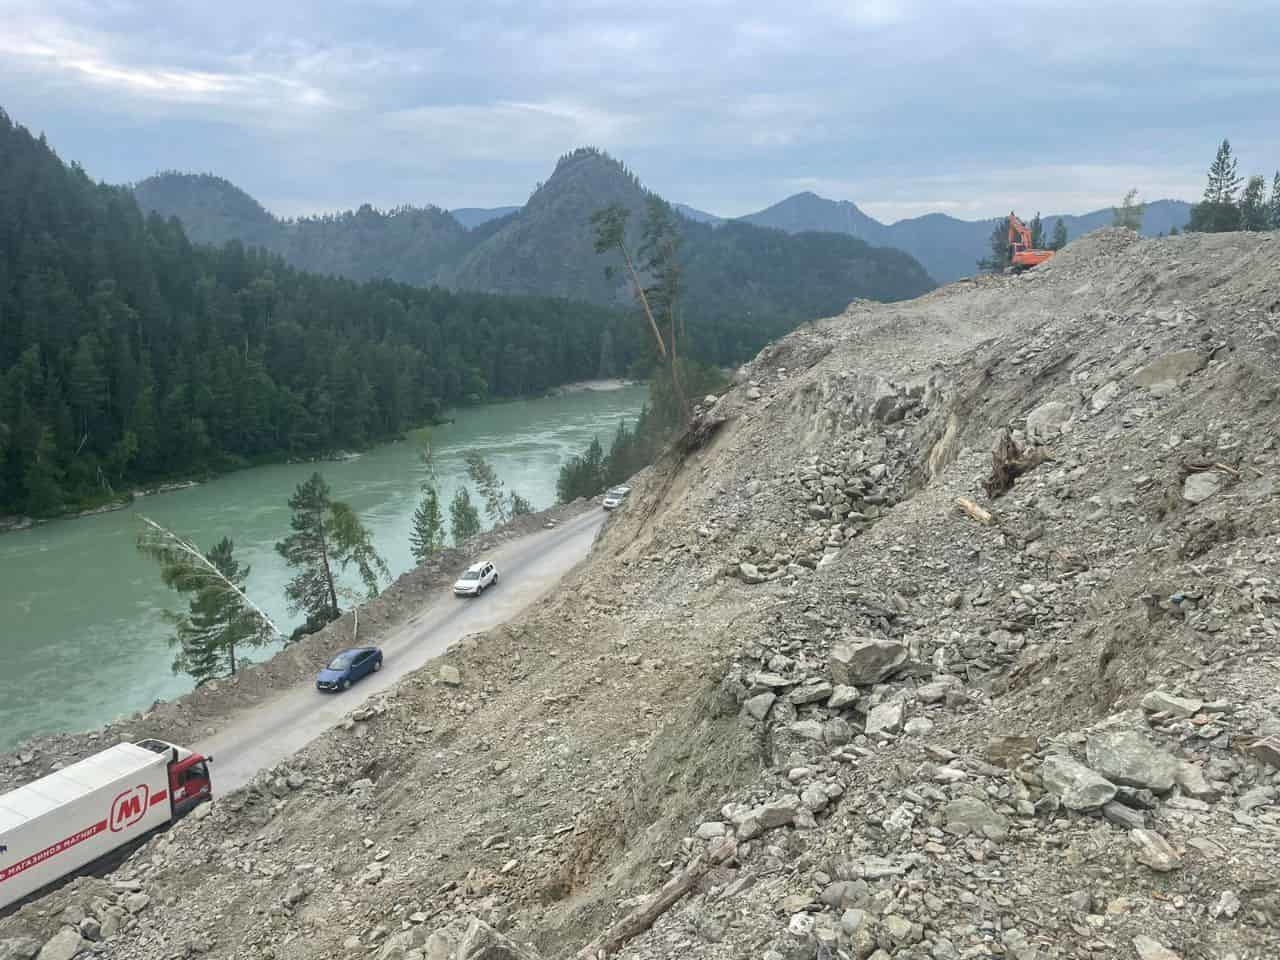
point(851, 684)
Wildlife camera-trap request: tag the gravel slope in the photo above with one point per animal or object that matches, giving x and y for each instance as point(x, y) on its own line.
point(897, 730)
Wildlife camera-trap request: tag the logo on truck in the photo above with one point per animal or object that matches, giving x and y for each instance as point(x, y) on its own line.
point(129, 807)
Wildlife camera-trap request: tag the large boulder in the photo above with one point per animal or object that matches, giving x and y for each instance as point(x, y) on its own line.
point(862, 663)
point(482, 942)
point(1171, 368)
point(1129, 758)
point(1154, 851)
point(398, 946)
point(65, 944)
point(968, 815)
point(885, 718)
point(1047, 421)
point(19, 948)
point(1078, 787)
point(1158, 701)
point(1199, 487)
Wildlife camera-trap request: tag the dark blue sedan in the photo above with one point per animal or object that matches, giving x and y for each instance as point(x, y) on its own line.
point(348, 667)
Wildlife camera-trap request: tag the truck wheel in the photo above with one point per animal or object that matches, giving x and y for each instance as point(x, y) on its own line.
point(495, 579)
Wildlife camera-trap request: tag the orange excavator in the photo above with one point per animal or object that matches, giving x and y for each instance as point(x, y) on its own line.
point(1022, 255)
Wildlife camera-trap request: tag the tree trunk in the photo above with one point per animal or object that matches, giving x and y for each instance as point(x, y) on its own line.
point(675, 371)
point(643, 917)
point(644, 300)
point(328, 572)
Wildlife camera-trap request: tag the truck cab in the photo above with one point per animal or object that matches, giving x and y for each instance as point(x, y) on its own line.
point(189, 781)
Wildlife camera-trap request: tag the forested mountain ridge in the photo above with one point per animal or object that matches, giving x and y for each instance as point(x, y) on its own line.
point(472, 217)
point(128, 354)
point(949, 248)
point(546, 248)
point(416, 245)
point(742, 285)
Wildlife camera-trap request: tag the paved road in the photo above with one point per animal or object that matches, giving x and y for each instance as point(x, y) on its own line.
point(528, 569)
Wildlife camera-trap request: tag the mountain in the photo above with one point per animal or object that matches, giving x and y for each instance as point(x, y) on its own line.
point(408, 244)
point(472, 217)
point(808, 211)
point(130, 355)
point(696, 215)
point(732, 272)
point(949, 248)
point(745, 284)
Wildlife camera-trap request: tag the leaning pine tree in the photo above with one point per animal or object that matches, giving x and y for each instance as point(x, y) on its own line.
point(327, 538)
point(464, 518)
point(220, 618)
point(427, 533)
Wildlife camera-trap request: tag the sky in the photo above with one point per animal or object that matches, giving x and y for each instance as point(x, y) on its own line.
point(902, 106)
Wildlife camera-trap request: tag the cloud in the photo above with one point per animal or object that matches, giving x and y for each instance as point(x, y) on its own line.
point(55, 50)
point(725, 104)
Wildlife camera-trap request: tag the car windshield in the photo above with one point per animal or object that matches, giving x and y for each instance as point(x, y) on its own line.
point(471, 575)
point(342, 661)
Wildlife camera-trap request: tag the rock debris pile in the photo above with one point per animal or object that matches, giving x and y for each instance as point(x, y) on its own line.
point(824, 690)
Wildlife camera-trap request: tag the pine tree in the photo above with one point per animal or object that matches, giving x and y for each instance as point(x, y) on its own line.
point(1036, 228)
point(583, 475)
point(1001, 251)
point(327, 537)
point(1254, 215)
point(427, 535)
point(500, 505)
point(1218, 211)
point(1059, 235)
point(215, 625)
point(1274, 205)
point(41, 476)
point(1129, 213)
point(660, 259)
point(486, 480)
point(1223, 177)
point(220, 618)
point(464, 518)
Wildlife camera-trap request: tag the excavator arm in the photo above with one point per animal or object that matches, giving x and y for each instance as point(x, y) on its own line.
point(1019, 234)
point(1022, 255)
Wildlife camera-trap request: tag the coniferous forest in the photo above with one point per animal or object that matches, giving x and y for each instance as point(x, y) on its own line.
point(130, 355)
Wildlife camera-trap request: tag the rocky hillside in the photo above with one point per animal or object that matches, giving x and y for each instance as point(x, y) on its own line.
point(839, 681)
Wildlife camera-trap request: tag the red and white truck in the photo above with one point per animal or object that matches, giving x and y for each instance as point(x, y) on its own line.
point(91, 809)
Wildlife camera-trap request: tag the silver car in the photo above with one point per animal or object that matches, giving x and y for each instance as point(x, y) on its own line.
point(614, 497)
point(475, 578)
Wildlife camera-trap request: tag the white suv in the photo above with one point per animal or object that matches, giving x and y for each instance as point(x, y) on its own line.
point(475, 579)
point(615, 496)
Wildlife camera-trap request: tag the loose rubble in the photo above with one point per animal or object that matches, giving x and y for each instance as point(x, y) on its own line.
point(826, 711)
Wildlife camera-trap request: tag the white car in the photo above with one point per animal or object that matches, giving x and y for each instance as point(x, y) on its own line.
point(615, 496)
point(475, 579)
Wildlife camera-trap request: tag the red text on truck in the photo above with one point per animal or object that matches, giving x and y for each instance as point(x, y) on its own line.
point(82, 813)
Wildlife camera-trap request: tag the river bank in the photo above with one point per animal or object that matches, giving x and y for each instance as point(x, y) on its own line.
point(86, 634)
point(197, 713)
point(12, 523)
point(596, 386)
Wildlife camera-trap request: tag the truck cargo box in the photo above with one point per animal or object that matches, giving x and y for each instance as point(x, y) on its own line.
point(76, 815)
